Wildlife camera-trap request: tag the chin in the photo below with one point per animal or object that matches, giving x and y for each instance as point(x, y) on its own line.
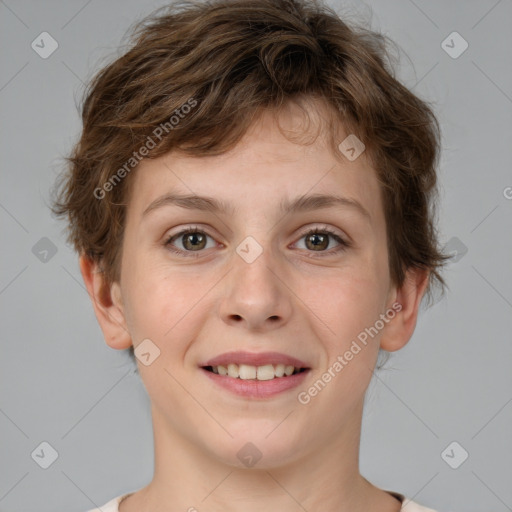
point(251, 449)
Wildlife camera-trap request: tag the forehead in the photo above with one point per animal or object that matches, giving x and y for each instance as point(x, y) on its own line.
point(264, 171)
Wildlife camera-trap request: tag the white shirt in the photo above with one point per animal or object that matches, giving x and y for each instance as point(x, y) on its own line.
point(407, 505)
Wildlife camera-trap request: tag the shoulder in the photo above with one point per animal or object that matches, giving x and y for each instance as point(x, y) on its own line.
point(407, 504)
point(111, 506)
point(411, 506)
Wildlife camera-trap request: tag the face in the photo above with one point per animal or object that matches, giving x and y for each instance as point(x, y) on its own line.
point(293, 286)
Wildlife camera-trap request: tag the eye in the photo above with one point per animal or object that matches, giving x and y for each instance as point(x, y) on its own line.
point(192, 239)
point(317, 240)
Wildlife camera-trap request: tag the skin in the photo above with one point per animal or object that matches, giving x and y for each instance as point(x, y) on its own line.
point(295, 299)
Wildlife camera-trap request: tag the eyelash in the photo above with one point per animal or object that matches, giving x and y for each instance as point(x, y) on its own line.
point(344, 245)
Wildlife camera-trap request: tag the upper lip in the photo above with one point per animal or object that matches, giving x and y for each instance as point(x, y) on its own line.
point(255, 359)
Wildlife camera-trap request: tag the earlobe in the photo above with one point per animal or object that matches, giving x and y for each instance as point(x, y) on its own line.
point(401, 328)
point(107, 303)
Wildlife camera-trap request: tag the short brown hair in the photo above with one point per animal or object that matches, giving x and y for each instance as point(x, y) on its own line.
point(226, 60)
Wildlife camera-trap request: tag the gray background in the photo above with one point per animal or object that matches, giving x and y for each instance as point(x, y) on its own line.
point(452, 382)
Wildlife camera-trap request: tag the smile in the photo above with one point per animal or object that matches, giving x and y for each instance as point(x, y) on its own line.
point(253, 375)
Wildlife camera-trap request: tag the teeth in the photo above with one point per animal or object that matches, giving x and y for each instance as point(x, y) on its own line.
point(248, 372)
point(266, 372)
point(233, 370)
point(288, 370)
point(279, 370)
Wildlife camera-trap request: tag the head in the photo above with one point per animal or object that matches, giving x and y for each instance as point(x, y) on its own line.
point(254, 105)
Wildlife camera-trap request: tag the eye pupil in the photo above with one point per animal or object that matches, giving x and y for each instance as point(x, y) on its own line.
point(194, 237)
point(314, 237)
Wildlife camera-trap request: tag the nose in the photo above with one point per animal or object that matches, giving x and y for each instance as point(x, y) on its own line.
point(256, 294)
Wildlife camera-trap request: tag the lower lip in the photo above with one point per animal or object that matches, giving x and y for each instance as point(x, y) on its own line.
point(252, 388)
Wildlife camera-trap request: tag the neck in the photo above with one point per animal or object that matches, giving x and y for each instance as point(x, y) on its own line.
point(190, 479)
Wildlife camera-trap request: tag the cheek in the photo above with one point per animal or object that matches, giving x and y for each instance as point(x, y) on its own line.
point(345, 305)
point(348, 308)
point(161, 304)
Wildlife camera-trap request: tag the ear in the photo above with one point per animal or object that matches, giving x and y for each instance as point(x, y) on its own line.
point(107, 304)
point(399, 329)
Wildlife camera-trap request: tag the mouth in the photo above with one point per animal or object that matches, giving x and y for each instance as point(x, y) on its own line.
point(256, 376)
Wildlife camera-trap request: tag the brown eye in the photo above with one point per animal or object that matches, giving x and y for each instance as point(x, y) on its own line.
point(192, 240)
point(317, 241)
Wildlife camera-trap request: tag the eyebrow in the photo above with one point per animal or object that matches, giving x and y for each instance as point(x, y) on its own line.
point(300, 204)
